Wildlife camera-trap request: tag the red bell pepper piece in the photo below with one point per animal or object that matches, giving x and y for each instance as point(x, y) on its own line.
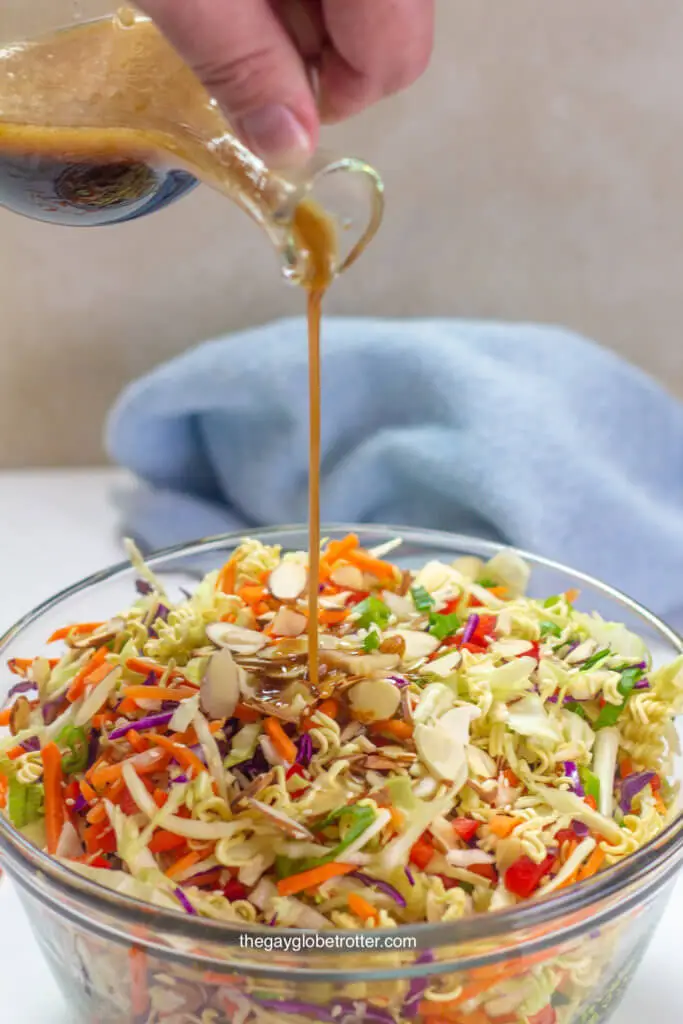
point(546, 1016)
point(485, 871)
point(234, 890)
point(524, 876)
point(465, 828)
point(485, 628)
point(421, 853)
point(296, 769)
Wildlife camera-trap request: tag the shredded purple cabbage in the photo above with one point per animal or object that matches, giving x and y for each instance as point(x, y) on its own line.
point(151, 722)
point(381, 886)
point(470, 627)
point(642, 684)
point(631, 786)
point(418, 987)
point(184, 902)
point(26, 687)
point(304, 750)
point(93, 747)
point(179, 779)
point(143, 587)
point(163, 612)
point(80, 804)
point(399, 681)
point(409, 875)
point(572, 773)
point(256, 766)
point(580, 829)
point(32, 745)
point(52, 710)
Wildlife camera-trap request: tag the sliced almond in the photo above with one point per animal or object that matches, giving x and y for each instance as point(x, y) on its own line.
point(294, 829)
point(360, 664)
point(444, 666)
point(101, 636)
point(438, 751)
point(347, 576)
point(288, 581)
point(220, 689)
point(287, 622)
point(418, 644)
point(582, 652)
point(236, 638)
point(377, 763)
point(20, 716)
point(374, 700)
point(402, 607)
point(510, 647)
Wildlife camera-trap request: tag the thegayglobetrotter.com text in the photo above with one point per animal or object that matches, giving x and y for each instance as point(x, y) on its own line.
point(326, 941)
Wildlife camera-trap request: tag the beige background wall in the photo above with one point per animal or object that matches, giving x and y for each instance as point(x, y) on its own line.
point(537, 172)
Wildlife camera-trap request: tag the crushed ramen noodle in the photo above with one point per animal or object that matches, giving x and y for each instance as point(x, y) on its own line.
point(465, 749)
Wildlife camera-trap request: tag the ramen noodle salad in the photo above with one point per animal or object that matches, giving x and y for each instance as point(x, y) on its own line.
point(467, 748)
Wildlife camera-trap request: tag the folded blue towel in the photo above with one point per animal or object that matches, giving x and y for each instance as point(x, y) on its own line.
point(521, 433)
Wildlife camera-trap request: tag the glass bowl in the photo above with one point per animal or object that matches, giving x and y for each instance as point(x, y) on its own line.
point(566, 959)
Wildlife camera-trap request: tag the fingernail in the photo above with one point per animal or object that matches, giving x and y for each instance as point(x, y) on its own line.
point(276, 135)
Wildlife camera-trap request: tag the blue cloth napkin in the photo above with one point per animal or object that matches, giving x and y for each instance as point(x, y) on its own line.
point(514, 432)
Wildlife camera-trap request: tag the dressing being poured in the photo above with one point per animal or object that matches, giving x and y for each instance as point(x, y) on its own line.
point(104, 123)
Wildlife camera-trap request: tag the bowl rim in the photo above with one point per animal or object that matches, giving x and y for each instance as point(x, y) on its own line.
point(653, 863)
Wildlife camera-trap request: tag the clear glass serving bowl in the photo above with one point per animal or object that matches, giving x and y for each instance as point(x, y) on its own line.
point(118, 960)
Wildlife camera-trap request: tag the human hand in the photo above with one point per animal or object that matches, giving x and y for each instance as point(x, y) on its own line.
point(255, 57)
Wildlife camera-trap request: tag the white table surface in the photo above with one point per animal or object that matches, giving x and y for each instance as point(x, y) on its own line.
point(56, 527)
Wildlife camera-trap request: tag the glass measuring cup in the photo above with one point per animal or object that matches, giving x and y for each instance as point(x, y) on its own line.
point(101, 122)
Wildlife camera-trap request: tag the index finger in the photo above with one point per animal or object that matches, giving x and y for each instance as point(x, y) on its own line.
point(377, 48)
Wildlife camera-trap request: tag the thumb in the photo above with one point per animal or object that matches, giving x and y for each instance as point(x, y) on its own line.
point(245, 58)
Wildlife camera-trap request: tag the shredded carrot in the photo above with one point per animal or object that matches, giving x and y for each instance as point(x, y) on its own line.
point(362, 908)
point(182, 864)
point(659, 804)
point(182, 754)
point(160, 798)
point(54, 800)
point(127, 707)
point(502, 825)
point(316, 876)
point(15, 753)
point(500, 592)
point(511, 778)
point(626, 767)
point(373, 566)
point(329, 707)
point(572, 595)
point(394, 727)
point(164, 842)
point(226, 577)
point(590, 800)
point(115, 791)
point(332, 616)
point(97, 815)
point(336, 550)
point(105, 773)
point(5, 716)
point(136, 741)
point(157, 692)
point(280, 740)
point(593, 864)
point(143, 668)
point(87, 792)
point(246, 714)
point(104, 718)
point(4, 789)
point(80, 629)
point(252, 593)
point(19, 666)
point(80, 680)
